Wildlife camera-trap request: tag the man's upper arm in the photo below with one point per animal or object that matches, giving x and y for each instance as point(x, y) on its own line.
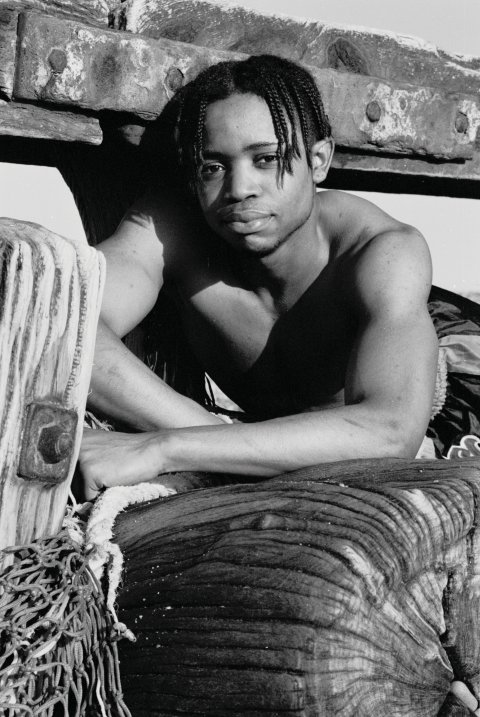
point(134, 257)
point(393, 366)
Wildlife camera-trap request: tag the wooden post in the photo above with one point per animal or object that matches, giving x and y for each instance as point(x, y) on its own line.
point(50, 293)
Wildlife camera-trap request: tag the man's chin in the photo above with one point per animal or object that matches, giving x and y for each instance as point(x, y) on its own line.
point(254, 245)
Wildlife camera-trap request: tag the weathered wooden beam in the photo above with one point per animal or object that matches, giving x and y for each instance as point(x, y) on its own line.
point(67, 63)
point(8, 42)
point(64, 63)
point(32, 122)
point(346, 589)
point(91, 12)
point(51, 294)
point(411, 175)
point(382, 54)
point(378, 53)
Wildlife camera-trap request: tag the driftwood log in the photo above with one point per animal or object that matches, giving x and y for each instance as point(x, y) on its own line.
point(348, 589)
point(50, 299)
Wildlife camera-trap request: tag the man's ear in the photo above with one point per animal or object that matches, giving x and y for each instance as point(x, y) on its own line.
point(321, 154)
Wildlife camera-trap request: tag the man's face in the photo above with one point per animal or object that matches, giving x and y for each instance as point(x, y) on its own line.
point(241, 195)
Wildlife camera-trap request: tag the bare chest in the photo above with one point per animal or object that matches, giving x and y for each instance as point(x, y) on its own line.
point(270, 363)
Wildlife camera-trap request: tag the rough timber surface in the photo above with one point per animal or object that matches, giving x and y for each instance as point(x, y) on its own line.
point(29, 121)
point(106, 70)
point(356, 51)
point(50, 297)
point(381, 54)
point(348, 589)
point(393, 57)
point(8, 41)
point(92, 12)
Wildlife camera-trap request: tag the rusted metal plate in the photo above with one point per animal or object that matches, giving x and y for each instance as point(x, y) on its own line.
point(48, 442)
point(66, 63)
point(31, 122)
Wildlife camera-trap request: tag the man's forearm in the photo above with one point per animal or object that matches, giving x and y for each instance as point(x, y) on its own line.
point(256, 449)
point(285, 444)
point(123, 388)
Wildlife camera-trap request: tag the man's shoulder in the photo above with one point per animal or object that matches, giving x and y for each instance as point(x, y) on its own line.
point(362, 230)
point(157, 209)
point(379, 256)
point(392, 269)
point(353, 216)
point(160, 221)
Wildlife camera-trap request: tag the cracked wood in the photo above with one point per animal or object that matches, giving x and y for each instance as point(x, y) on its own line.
point(66, 63)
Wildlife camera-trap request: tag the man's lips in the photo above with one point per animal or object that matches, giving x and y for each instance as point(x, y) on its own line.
point(254, 226)
point(245, 221)
point(242, 215)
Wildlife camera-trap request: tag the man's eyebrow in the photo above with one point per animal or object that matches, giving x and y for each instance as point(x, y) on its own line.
point(211, 153)
point(261, 145)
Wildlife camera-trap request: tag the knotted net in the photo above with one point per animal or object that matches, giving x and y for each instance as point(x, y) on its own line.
point(58, 653)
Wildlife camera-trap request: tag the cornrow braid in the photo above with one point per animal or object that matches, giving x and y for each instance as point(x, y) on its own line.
point(294, 102)
point(280, 126)
point(293, 109)
point(302, 113)
point(198, 141)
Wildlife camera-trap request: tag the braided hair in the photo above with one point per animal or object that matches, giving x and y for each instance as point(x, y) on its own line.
point(288, 89)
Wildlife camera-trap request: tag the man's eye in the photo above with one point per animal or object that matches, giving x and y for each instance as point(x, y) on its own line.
point(268, 158)
point(209, 170)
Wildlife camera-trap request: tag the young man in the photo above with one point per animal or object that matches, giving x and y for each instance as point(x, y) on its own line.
point(308, 309)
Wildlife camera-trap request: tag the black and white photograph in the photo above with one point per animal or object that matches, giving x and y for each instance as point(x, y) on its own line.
point(239, 358)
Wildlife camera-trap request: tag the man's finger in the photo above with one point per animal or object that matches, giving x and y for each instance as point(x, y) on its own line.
point(462, 693)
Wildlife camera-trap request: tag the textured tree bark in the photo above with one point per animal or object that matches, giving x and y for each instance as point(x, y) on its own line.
point(348, 589)
point(50, 298)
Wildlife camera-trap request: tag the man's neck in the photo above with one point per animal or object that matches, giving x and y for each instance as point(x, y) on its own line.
point(280, 278)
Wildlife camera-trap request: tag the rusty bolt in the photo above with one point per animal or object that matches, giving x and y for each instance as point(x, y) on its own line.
point(374, 111)
point(54, 444)
point(461, 122)
point(57, 60)
point(174, 79)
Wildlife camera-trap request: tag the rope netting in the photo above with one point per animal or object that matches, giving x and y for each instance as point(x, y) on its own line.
point(58, 653)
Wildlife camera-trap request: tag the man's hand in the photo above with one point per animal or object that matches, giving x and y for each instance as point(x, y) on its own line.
point(108, 458)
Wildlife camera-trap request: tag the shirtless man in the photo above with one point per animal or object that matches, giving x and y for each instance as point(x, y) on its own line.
point(309, 309)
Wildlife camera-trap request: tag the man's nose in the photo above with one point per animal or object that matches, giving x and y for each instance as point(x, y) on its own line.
point(241, 184)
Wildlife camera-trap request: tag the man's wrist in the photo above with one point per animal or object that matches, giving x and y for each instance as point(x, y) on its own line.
point(164, 451)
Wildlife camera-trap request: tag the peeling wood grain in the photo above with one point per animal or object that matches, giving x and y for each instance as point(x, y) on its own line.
point(32, 122)
point(382, 54)
point(71, 64)
point(65, 63)
point(338, 574)
point(92, 12)
point(51, 294)
point(357, 171)
point(8, 42)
